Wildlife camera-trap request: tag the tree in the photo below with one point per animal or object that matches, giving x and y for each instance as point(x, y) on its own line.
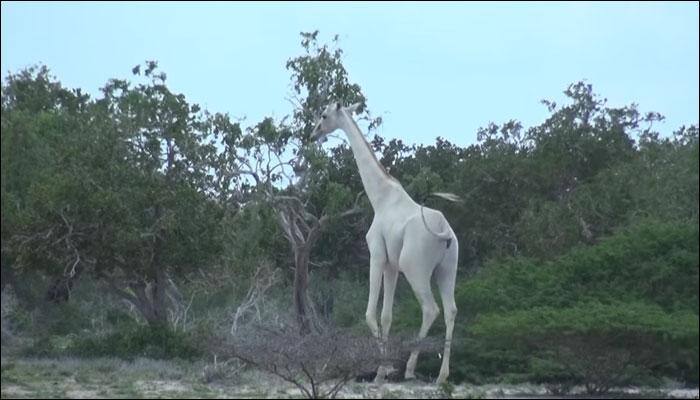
point(129, 192)
point(295, 185)
point(40, 121)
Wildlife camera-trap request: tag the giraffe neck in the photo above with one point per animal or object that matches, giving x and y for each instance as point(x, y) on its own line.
point(376, 181)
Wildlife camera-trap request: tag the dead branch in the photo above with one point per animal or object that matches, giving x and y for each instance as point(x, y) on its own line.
point(263, 279)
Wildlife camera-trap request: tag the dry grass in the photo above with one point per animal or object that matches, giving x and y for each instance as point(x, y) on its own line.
point(145, 378)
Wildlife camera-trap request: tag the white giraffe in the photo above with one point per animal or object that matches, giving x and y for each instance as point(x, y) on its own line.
point(404, 236)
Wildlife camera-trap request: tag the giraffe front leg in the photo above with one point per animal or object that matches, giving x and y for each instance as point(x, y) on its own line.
point(375, 279)
point(390, 277)
point(377, 261)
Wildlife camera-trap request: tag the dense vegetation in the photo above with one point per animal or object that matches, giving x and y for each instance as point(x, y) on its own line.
point(135, 224)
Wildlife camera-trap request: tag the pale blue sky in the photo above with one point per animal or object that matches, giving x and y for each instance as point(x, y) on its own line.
point(437, 69)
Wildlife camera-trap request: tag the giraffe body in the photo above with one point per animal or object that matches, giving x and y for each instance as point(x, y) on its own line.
point(404, 237)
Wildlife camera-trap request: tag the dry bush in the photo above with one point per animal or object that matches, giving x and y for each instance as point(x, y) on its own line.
point(319, 363)
point(221, 371)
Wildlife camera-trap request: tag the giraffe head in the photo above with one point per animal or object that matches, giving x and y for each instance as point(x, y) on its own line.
point(332, 118)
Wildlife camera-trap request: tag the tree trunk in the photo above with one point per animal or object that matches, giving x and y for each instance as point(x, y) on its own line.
point(157, 296)
point(160, 305)
point(60, 289)
point(21, 287)
point(301, 284)
point(301, 236)
point(148, 298)
point(151, 308)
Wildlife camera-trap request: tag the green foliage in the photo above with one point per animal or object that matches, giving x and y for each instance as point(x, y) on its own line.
point(254, 237)
point(601, 346)
point(423, 183)
point(121, 186)
point(620, 324)
point(659, 182)
point(618, 312)
point(319, 76)
point(654, 261)
point(129, 342)
point(137, 341)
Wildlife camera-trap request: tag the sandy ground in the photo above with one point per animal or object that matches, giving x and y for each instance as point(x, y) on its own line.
point(144, 378)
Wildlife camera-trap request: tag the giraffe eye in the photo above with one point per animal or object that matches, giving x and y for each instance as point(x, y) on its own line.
point(323, 117)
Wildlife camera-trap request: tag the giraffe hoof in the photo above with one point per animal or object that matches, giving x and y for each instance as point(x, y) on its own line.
point(382, 373)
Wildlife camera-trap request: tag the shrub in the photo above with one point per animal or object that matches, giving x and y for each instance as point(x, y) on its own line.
point(623, 310)
point(137, 341)
point(601, 346)
point(654, 262)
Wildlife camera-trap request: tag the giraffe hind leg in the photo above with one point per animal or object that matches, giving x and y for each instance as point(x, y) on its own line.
point(446, 276)
point(416, 264)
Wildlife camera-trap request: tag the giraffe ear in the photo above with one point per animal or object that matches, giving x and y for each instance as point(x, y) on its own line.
point(353, 109)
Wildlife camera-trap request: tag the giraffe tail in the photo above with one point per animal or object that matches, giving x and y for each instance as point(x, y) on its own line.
point(445, 235)
point(448, 196)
